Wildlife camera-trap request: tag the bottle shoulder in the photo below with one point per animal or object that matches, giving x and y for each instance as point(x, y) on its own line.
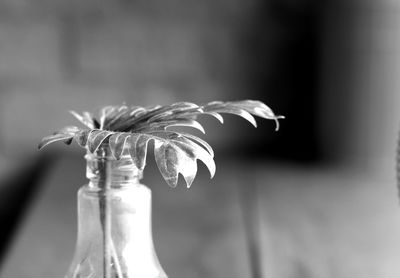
point(137, 189)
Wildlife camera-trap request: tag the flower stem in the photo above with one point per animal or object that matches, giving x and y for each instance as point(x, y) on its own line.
point(105, 218)
point(110, 256)
point(115, 260)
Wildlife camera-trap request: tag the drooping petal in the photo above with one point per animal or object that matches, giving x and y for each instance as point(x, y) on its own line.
point(69, 130)
point(150, 113)
point(200, 141)
point(82, 136)
point(96, 138)
point(216, 115)
point(255, 107)
point(197, 152)
point(117, 143)
point(259, 109)
point(85, 119)
point(65, 135)
point(161, 126)
point(105, 113)
point(138, 149)
point(127, 119)
point(188, 123)
point(172, 161)
point(231, 110)
point(117, 116)
point(54, 138)
point(177, 110)
point(189, 170)
point(166, 160)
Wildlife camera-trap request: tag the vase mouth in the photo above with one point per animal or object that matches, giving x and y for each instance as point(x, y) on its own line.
point(102, 167)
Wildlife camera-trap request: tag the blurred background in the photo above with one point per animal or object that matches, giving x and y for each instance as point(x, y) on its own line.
point(316, 199)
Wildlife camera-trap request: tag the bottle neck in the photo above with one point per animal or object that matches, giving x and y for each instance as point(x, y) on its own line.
point(104, 171)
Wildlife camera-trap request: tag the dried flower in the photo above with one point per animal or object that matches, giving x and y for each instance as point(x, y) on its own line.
point(132, 128)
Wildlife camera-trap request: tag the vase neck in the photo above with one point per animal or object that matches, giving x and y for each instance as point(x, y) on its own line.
point(103, 170)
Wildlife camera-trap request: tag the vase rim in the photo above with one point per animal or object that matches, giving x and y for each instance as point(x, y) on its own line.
point(102, 166)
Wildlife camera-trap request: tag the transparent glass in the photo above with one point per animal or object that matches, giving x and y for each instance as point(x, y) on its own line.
point(114, 223)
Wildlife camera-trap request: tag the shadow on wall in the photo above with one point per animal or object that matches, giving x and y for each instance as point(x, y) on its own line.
point(304, 59)
point(80, 56)
point(281, 49)
point(17, 188)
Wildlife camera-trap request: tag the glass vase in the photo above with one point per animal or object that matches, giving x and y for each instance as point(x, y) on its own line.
point(114, 237)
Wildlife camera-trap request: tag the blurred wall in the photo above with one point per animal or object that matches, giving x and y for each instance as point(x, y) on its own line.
point(62, 55)
point(359, 115)
point(329, 66)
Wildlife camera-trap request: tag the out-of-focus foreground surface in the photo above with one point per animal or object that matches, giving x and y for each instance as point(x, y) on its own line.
point(317, 199)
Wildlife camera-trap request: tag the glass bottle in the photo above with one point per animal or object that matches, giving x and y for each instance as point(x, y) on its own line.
point(114, 222)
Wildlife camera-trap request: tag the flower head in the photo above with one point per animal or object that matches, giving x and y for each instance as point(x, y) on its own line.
point(131, 128)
